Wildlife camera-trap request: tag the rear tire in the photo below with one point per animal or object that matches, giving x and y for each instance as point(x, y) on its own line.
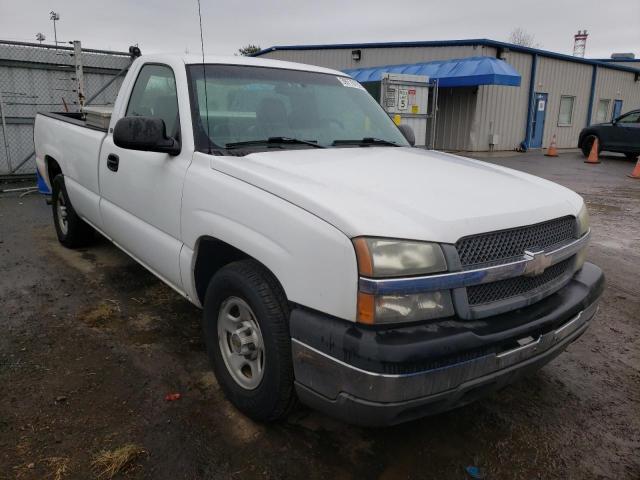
point(631, 156)
point(587, 143)
point(72, 231)
point(246, 330)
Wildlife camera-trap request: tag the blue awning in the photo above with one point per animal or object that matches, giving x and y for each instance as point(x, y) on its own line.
point(461, 72)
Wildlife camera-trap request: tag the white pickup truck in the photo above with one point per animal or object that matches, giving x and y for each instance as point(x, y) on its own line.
point(334, 262)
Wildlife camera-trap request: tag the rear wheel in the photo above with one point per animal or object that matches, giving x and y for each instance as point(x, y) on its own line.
point(246, 329)
point(71, 230)
point(631, 156)
point(587, 143)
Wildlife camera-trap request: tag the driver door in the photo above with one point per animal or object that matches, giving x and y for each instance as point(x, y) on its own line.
point(626, 132)
point(141, 192)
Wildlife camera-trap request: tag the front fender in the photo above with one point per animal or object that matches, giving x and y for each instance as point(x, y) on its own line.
point(314, 262)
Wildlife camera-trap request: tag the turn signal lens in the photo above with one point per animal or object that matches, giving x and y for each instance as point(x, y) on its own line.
point(366, 308)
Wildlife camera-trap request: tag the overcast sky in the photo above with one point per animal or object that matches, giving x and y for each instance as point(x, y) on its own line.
point(172, 26)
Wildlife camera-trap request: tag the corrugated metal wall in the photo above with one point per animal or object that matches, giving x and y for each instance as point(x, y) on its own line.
point(456, 119)
point(503, 110)
point(616, 85)
point(557, 78)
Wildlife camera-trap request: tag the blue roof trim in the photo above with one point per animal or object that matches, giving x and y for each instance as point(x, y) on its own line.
point(616, 59)
point(453, 43)
point(461, 72)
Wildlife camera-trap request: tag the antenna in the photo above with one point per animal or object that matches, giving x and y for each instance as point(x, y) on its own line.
point(204, 75)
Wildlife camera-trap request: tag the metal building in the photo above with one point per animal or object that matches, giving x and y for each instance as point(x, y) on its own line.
point(558, 94)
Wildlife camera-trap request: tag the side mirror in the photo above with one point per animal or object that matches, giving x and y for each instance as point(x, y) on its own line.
point(148, 134)
point(407, 131)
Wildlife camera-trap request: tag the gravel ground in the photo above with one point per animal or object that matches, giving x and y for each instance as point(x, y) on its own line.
point(91, 343)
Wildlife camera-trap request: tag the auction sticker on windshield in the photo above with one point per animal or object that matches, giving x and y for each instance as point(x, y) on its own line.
point(349, 82)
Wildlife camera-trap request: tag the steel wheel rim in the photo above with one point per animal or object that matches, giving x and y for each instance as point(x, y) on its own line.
point(240, 342)
point(61, 210)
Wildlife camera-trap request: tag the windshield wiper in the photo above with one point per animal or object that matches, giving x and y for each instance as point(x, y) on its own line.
point(366, 141)
point(273, 141)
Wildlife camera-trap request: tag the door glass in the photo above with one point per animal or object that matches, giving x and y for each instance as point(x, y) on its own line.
point(630, 118)
point(154, 95)
point(603, 109)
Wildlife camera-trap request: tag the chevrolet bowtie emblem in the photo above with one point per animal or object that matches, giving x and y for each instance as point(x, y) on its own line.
point(537, 262)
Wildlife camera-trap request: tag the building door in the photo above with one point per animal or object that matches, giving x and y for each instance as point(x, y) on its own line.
point(537, 126)
point(617, 109)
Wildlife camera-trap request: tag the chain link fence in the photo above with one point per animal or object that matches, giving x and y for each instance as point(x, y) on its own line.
point(35, 78)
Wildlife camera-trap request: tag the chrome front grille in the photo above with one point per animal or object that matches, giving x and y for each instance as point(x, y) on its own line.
point(514, 287)
point(507, 244)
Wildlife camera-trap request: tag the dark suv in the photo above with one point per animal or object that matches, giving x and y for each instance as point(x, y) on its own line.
point(622, 135)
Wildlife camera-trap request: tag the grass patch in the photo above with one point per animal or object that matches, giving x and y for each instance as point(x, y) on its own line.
point(60, 467)
point(109, 463)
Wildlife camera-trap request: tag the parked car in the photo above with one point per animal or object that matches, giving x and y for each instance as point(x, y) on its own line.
point(335, 264)
point(622, 135)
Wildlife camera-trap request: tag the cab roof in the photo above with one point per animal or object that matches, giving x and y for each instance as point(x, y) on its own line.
point(190, 59)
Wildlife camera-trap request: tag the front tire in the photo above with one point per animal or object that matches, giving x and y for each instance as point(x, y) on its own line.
point(246, 329)
point(72, 231)
point(631, 156)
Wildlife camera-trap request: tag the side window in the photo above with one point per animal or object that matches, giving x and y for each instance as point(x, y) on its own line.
point(603, 109)
point(154, 95)
point(565, 115)
point(630, 118)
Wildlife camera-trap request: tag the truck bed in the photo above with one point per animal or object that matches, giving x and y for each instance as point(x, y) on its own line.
point(75, 118)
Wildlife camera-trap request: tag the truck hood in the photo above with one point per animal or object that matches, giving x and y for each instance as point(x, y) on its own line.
point(405, 193)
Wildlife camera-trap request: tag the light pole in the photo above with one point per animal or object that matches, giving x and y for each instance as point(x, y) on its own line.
point(55, 17)
point(40, 37)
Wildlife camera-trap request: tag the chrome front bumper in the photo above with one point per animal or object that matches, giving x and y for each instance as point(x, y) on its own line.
point(359, 395)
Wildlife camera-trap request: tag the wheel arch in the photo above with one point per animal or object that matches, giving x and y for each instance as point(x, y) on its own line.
point(212, 254)
point(53, 168)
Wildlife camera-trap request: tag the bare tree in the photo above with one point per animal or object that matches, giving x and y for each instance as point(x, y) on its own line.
point(520, 36)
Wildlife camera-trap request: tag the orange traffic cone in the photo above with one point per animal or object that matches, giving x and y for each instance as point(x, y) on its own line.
point(593, 154)
point(636, 171)
point(552, 151)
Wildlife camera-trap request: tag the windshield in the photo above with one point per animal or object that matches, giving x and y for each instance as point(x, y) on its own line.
point(257, 104)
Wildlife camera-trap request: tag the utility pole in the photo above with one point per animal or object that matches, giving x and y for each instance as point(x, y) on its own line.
point(55, 17)
point(40, 37)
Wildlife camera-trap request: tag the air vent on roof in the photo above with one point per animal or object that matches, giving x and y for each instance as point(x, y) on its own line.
point(623, 56)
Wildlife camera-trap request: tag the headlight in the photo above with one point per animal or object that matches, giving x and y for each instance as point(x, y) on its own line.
point(383, 309)
point(583, 221)
point(384, 258)
point(381, 257)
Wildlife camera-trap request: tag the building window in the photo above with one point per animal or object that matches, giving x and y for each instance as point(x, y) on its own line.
point(603, 110)
point(565, 116)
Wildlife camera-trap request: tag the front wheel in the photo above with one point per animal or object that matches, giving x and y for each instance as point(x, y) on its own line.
point(587, 143)
point(71, 230)
point(246, 329)
point(631, 156)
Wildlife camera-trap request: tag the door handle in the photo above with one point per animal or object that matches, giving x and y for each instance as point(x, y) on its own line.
point(112, 162)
